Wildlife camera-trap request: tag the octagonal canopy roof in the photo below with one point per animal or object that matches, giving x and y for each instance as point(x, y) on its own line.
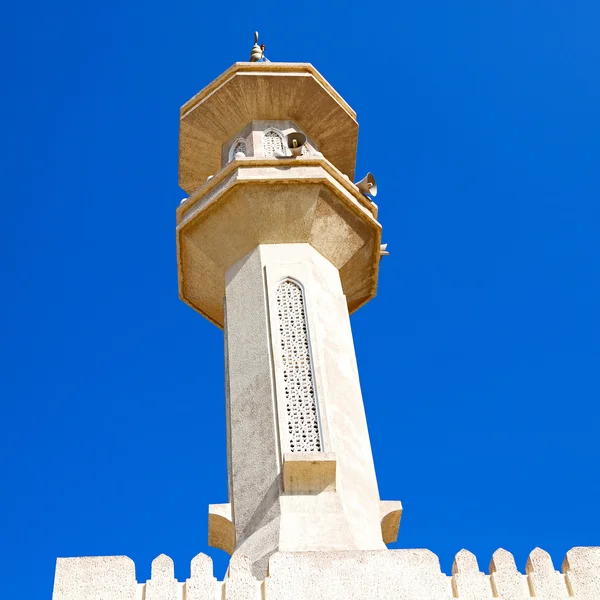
point(275, 201)
point(277, 91)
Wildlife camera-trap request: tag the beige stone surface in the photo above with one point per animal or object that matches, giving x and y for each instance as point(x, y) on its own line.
point(308, 472)
point(266, 91)
point(390, 512)
point(221, 530)
point(262, 168)
point(255, 202)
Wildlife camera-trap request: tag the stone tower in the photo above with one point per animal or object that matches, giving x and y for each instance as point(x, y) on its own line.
point(277, 246)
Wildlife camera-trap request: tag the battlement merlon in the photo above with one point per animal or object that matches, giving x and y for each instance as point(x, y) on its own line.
point(378, 575)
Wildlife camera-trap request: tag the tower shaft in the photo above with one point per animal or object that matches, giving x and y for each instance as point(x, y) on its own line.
point(301, 473)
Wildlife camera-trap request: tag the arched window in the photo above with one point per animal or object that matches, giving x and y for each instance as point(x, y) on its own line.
point(301, 411)
point(272, 143)
point(238, 146)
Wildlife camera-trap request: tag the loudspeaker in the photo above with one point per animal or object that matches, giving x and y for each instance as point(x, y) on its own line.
point(294, 142)
point(367, 186)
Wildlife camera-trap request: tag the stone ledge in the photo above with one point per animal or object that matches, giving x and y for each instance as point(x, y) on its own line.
point(221, 530)
point(390, 512)
point(309, 472)
point(256, 202)
point(190, 203)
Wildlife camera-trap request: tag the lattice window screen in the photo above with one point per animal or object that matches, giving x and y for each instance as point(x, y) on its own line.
point(299, 387)
point(239, 147)
point(272, 143)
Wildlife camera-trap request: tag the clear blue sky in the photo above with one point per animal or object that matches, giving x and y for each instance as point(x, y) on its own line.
point(479, 357)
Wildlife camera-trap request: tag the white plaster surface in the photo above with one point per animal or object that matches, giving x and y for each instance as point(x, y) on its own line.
point(345, 514)
point(162, 585)
point(338, 575)
point(254, 462)
point(506, 581)
point(202, 585)
point(95, 578)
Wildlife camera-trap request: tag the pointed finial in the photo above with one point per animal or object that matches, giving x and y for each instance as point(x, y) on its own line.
point(257, 53)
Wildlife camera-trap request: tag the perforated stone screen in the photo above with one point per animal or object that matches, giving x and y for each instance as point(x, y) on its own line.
point(299, 387)
point(272, 143)
point(240, 146)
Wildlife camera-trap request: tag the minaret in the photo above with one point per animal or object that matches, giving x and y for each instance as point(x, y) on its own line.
point(277, 246)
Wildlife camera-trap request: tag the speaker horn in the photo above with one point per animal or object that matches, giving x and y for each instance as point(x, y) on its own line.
point(295, 142)
point(367, 186)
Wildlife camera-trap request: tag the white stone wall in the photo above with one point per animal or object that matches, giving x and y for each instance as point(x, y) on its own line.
point(262, 412)
point(354, 575)
point(252, 135)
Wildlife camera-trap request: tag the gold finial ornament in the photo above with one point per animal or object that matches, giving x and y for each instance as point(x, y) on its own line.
point(256, 54)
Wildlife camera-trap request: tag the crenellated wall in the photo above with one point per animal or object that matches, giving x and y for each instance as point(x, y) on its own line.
point(360, 575)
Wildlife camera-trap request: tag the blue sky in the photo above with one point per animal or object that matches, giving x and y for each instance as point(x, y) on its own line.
point(478, 358)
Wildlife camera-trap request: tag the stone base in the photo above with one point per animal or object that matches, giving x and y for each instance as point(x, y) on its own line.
point(361, 575)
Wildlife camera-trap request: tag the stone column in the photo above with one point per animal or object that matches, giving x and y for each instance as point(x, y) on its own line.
point(294, 405)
